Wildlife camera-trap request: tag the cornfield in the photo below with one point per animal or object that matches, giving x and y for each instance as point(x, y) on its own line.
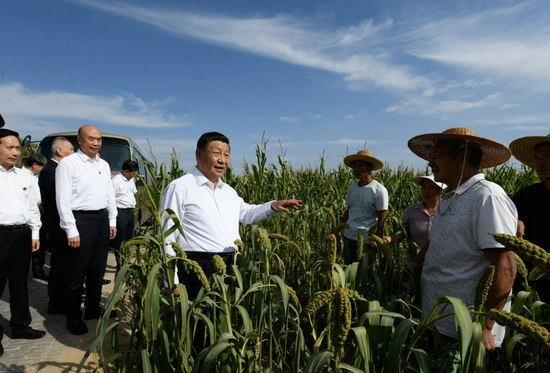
point(289, 304)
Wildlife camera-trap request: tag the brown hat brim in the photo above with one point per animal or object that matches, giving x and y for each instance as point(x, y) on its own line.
point(376, 163)
point(524, 148)
point(493, 153)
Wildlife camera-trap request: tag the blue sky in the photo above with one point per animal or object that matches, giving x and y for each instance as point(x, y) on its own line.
point(314, 77)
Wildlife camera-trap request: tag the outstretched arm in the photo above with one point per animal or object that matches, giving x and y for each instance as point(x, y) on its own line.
point(286, 204)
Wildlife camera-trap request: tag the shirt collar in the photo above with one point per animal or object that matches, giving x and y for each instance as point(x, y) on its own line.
point(466, 185)
point(201, 179)
point(12, 169)
point(84, 157)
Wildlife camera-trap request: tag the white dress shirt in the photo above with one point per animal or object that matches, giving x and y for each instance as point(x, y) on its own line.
point(124, 191)
point(18, 201)
point(36, 188)
point(83, 185)
point(209, 215)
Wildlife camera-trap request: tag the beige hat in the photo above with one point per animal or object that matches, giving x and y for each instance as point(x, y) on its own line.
point(524, 148)
point(419, 179)
point(364, 155)
point(493, 153)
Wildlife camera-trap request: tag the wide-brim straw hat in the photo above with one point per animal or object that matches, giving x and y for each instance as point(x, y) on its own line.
point(524, 148)
point(493, 153)
point(366, 156)
point(419, 179)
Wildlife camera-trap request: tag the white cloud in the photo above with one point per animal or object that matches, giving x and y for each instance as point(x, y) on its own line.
point(287, 119)
point(508, 106)
point(43, 111)
point(505, 42)
point(536, 130)
point(361, 114)
point(354, 52)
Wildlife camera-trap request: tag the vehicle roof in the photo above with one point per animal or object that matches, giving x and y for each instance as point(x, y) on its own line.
point(75, 133)
point(103, 134)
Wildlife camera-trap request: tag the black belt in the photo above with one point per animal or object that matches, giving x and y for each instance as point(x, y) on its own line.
point(90, 212)
point(125, 208)
point(206, 255)
point(13, 227)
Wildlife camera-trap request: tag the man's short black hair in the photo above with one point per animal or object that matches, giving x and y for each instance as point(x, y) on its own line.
point(130, 165)
point(208, 137)
point(37, 158)
point(4, 132)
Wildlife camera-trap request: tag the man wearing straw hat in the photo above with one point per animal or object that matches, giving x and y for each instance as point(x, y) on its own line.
point(367, 202)
point(461, 246)
point(533, 201)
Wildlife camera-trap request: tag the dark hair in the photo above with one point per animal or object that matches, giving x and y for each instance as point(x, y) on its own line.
point(541, 144)
point(208, 137)
point(4, 132)
point(456, 147)
point(37, 158)
point(130, 165)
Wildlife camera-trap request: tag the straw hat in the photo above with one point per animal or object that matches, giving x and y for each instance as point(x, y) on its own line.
point(493, 153)
point(419, 179)
point(364, 155)
point(524, 148)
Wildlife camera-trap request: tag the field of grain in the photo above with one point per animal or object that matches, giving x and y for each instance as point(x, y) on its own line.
point(289, 304)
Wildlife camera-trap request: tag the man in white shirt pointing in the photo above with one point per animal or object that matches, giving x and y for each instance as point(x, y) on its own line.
point(210, 210)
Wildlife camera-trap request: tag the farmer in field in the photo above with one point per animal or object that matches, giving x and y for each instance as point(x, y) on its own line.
point(461, 246)
point(533, 201)
point(210, 210)
point(367, 202)
point(418, 217)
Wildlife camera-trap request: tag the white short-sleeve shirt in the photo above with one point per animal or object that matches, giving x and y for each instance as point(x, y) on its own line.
point(460, 232)
point(364, 202)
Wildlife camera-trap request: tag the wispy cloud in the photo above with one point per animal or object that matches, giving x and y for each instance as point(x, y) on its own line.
point(32, 108)
point(353, 52)
point(287, 119)
point(505, 42)
point(455, 105)
point(361, 114)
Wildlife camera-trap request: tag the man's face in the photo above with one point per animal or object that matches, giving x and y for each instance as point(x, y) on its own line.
point(128, 174)
point(444, 168)
point(10, 149)
point(541, 161)
point(214, 160)
point(65, 148)
point(361, 169)
point(90, 141)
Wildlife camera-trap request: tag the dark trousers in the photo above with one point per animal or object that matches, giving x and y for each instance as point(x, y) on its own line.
point(60, 260)
point(350, 251)
point(193, 285)
point(39, 256)
point(190, 280)
point(15, 257)
point(87, 262)
point(125, 222)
